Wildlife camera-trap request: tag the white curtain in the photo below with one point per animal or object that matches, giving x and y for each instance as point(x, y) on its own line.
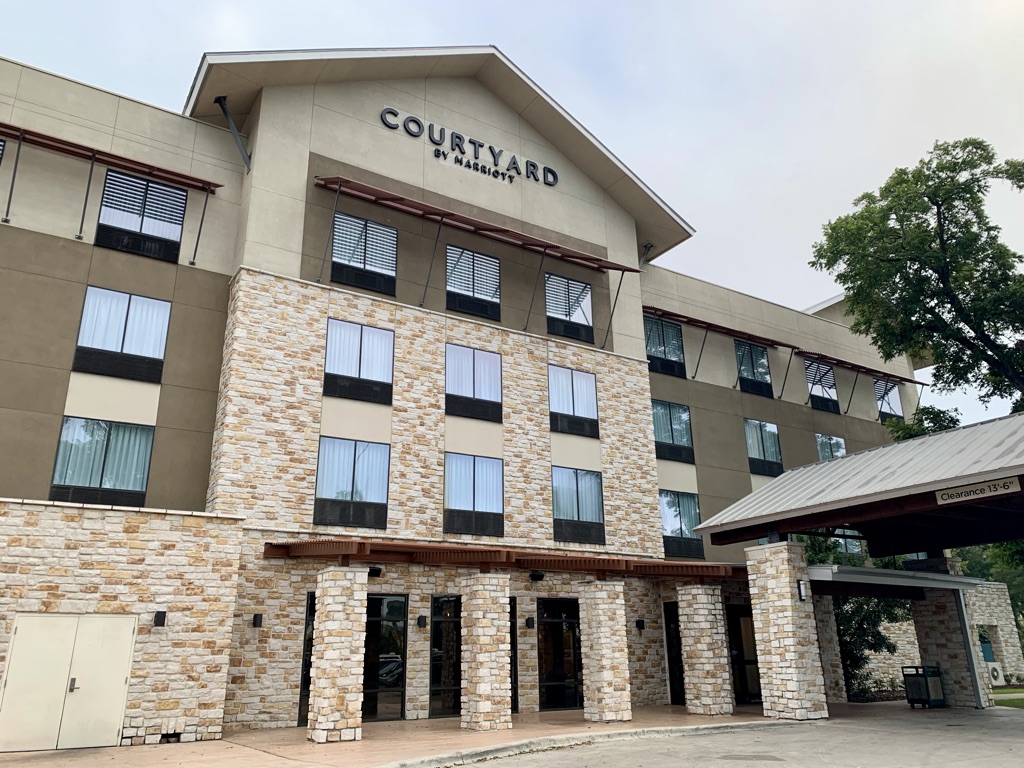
point(458, 372)
point(489, 492)
point(371, 476)
point(662, 421)
point(770, 437)
point(127, 465)
point(591, 502)
point(458, 481)
point(669, 505)
point(334, 472)
point(584, 391)
point(103, 319)
point(681, 434)
point(343, 349)
point(80, 453)
point(689, 515)
point(563, 493)
point(559, 389)
point(487, 367)
point(146, 331)
point(752, 432)
point(378, 354)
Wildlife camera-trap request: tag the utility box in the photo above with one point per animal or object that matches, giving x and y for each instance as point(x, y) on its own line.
point(924, 686)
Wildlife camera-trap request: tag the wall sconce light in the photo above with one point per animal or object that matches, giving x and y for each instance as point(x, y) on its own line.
point(536, 576)
point(421, 622)
point(257, 620)
point(641, 624)
point(375, 571)
point(801, 590)
point(160, 619)
point(530, 623)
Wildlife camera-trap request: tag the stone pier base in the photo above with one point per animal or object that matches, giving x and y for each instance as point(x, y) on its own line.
point(486, 653)
point(828, 645)
point(707, 670)
point(941, 640)
point(339, 641)
point(606, 692)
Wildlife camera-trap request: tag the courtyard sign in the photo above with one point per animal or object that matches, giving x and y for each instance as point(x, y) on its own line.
point(979, 491)
point(494, 163)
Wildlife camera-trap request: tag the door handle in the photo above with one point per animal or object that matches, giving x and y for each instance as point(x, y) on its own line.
point(72, 688)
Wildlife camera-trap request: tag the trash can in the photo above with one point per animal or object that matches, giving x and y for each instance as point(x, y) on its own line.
point(924, 686)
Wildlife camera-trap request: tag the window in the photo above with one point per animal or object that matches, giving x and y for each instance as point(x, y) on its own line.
point(2, 144)
point(849, 541)
point(569, 308)
point(763, 452)
point(472, 383)
point(679, 516)
point(445, 656)
point(572, 397)
point(352, 483)
point(102, 462)
point(830, 447)
point(141, 217)
point(474, 283)
point(673, 438)
point(359, 362)
point(122, 335)
point(664, 346)
point(578, 505)
point(887, 395)
point(752, 365)
point(473, 495)
point(821, 381)
point(364, 254)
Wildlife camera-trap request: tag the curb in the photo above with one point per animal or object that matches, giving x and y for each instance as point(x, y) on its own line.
point(546, 743)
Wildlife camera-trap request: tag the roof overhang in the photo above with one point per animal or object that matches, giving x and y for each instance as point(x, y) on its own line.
point(842, 578)
point(241, 76)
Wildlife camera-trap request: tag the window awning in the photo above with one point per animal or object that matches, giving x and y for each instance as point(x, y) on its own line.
point(383, 551)
point(396, 202)
point(823, 358)
point(106, 158)
point(736, 334)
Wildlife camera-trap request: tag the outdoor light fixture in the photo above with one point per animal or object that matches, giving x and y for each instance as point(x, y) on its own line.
point(160, 619)
point(800, 589)
point(641, 624)
point(536, 575)
point(257, 620)
point(529, 622)
point(375, 571)
point(421, 622)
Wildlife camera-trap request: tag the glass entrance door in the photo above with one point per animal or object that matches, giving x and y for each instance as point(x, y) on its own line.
point(384, 659)
point(674, 655)
point(446, 656)
point(745, 675)
point(558, 648)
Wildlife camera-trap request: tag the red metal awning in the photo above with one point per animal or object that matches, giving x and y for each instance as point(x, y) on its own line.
point(406, 205)
point(735, 333)
point(819, 357)
point(106, 158)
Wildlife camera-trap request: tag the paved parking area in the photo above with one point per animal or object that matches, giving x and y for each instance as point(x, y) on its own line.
point(886, 735)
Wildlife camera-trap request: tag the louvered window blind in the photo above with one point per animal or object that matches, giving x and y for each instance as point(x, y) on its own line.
point(473, 274)
point(137, 205)
point(364, 244)
point(568, 299)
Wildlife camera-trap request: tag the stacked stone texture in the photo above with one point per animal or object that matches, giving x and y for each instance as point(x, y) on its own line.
point(789, 662)
point(486, 652)
point(339, 639)
point(888, 667)
point(989, 606)
point(86, 559)
point(707, 668)
point(828, 644)
point(648, 669)
point(606, 691)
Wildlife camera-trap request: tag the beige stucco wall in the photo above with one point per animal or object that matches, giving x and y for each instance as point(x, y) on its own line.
point(104, 397)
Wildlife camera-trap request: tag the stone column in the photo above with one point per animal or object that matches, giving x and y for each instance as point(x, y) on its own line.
point(828, 645)
point(486, 652)
point(707, 668)
point(606, 693)
point(339, 642)
point(989, 605)
point(788, 659)
point(940, 637)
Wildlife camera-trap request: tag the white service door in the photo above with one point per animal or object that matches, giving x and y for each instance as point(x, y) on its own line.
point(36, 680)
point(100, 667)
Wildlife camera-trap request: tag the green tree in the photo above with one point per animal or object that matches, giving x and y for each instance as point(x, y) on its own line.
point(926, 420)
point(926, 274)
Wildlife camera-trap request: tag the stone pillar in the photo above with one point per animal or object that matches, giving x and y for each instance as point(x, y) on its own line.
point(990, 606)
point(339, 643)
point(486, 652)
point(606, 693)
point(788, 659)
point(940, 637)
point(828, 646)
point(707, 668)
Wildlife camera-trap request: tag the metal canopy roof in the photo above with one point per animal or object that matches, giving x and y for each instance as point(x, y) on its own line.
point(851, 574)
point(397, 202)
point(888, 493)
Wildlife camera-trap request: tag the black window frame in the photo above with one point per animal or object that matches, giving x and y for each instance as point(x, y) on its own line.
point(821, 376)
point(88, 494)
point(137, 242)
point(754, 386)
point(757, 465)
point(349, 512)
point(883, 389)
point(474, 521)
point(564, 326)
point(661, 363)
point(819, 437)
point(361, 276)
point(474, 407)
point(683, 546)
point(471, 303)
point(358, 387)
point(674, 451)
point(577, 530)
point(434, 691)
point(570, 423)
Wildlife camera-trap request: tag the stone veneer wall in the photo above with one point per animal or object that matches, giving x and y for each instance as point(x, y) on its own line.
point(989, 606)
point(789, 662)
point(707, 667)
point(268, 415)
point(828, 644)
point(886, 669)
point(606, 696)
point(648, 668)
point(74, 558)
point(486, 652)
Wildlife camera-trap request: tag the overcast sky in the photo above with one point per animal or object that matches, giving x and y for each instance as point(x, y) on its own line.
point(756, 121)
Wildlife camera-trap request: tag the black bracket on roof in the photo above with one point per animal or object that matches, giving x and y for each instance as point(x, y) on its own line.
point(222, 102)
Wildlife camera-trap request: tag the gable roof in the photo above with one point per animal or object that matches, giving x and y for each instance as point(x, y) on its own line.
point(241, 76)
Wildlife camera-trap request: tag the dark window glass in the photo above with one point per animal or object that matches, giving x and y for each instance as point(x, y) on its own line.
point(446, 656)
point(664, 338)
point(384, 657)
point(752, 362)
point(830, 447)
point(821, 383)
point(103, 454)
